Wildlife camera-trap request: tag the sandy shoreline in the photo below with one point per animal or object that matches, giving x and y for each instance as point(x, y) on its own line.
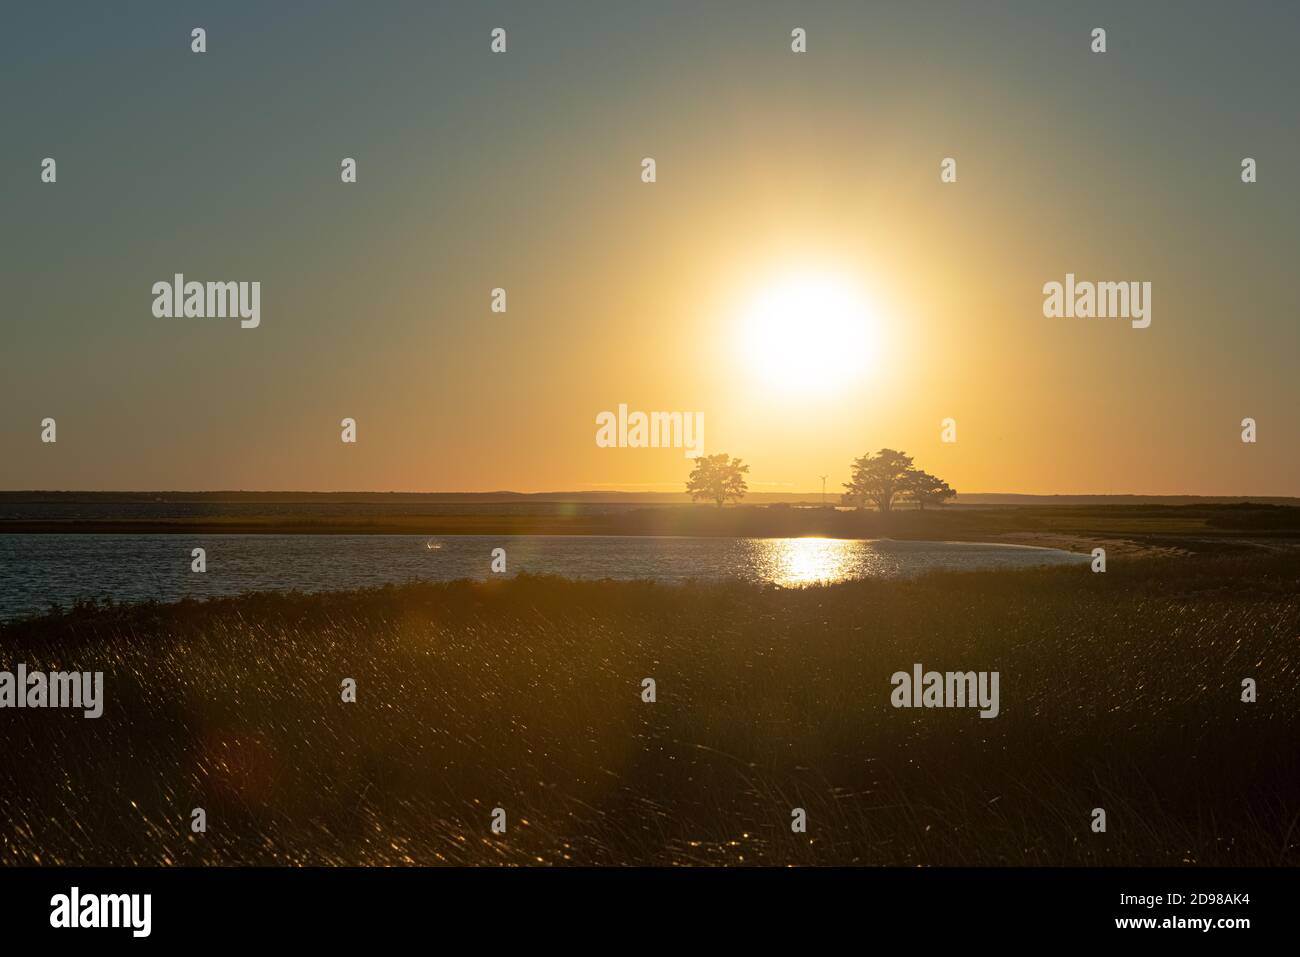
point(1084, 545)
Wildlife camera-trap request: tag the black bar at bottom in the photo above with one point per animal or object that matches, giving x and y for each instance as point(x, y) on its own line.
point(327, 906)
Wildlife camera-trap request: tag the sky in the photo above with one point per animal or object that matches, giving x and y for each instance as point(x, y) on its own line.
point(523, 171)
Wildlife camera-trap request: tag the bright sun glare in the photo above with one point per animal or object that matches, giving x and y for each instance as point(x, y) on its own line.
point(809, 334)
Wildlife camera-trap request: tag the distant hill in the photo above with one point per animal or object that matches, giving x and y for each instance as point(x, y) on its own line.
point(1004, 498)
point(978, 499)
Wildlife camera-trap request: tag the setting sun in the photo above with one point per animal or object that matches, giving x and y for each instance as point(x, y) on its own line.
point(809, 333)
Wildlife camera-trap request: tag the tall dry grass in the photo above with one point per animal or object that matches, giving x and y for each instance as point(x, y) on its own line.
point(1118, 691)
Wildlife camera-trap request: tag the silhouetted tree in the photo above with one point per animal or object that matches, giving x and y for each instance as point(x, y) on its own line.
point(878, 479)
point(718, 478)
point(926, 489)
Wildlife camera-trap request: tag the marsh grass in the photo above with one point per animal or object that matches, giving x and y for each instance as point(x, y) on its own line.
point(1119, 691)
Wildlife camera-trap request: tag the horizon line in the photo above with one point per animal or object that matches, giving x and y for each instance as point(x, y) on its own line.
point(815, 494)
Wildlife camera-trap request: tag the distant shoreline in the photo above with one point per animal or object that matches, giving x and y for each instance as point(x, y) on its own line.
point(1121, 530)
point(629, 499)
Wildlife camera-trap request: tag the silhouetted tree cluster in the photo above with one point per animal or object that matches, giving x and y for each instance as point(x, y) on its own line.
point(888, 477)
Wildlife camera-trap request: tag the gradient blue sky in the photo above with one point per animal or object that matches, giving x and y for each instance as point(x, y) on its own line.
point(522, 171)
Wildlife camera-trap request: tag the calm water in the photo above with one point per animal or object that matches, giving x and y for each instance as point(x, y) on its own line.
point(36, 570)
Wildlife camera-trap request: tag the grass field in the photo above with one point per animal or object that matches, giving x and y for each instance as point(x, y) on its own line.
point(1119, 691)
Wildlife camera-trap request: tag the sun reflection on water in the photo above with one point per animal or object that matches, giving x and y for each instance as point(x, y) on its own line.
point(806, 561)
